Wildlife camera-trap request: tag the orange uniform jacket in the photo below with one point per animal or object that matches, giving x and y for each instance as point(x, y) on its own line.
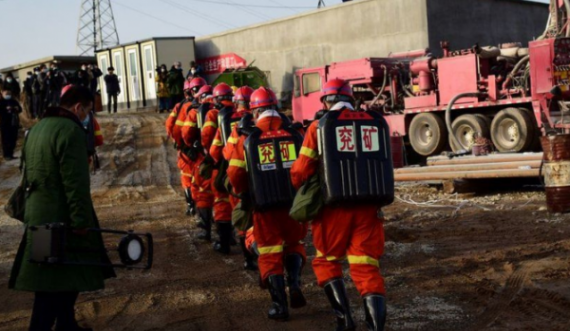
point(307, 163)
point(180, 123)
point(98, 133)
point(233, 139)
point(201, 188)
point(171, 120)
point(190, 131)
point(209, 128)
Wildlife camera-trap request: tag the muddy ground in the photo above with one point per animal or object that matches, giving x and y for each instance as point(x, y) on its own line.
point(494, 261)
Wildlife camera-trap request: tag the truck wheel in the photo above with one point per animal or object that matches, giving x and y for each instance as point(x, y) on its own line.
point(512, 130)
point(466, 129)
point(535, 145)
point(428, 135)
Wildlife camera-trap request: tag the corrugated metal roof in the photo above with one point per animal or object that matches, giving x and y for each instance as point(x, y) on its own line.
point(48, 59)
point(144, 41)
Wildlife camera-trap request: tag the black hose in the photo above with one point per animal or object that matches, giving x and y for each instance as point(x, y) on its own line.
point(448, 112)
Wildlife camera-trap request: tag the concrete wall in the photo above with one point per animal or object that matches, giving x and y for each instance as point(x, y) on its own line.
point(169, 51)
point(351, 30)
point(373, 28)
point(487, 22)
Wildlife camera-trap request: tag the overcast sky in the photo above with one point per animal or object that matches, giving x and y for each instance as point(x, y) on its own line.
point(33, 29)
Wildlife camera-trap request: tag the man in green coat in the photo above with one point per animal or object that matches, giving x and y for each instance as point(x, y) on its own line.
point(57, 173)
point(175, 83)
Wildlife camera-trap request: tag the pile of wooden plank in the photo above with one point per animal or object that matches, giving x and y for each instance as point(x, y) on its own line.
point(474, 167)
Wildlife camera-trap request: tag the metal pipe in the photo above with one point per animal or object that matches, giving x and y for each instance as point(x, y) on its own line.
point(496, 158)
point(409, 54)
point(534, 164)
point(567, 6)
point(448, 112)
point(509, 173)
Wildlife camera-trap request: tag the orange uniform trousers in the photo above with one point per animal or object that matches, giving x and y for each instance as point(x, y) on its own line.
point(352, 232)
point(186, 167)
point(222, 207)
point(277, 235)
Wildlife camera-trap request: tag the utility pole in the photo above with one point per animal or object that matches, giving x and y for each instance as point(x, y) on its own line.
point(321, 3)
point(97, 28)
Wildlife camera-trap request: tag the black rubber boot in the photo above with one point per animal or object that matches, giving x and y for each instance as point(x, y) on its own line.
point(336, 293)
point(225, 233)
point(250, 260)
point(191, 207)
point(294, 265)
point(375, 310)
point(205, 223)
point(278, 310)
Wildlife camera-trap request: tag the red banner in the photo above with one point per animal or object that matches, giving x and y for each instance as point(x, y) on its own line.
point(217, 64)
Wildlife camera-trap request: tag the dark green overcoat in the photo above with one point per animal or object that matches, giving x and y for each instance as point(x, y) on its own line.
point(56, 165)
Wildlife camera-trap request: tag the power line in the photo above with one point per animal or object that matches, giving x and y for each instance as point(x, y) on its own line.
point(252, 6)
point(156, 18)
point(290, 8)
point(197, 14)
point(249, 11)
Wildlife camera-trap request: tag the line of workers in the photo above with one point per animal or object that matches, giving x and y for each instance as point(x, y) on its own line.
point(242, 162)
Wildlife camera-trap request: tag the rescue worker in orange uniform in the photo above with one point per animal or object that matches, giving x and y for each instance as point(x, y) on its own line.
point(191, 136)
point(351, 227)
point(229, 136)
point(222, 97)
point(204, 197)
point(202, 93)
point(270, 150)
point(186, 153)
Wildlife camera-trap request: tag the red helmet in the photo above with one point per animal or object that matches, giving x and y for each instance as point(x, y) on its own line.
point(197, 83)
point(262, 97)
point(223, 90)
point(187, 86)
point(243, 94)
point(206, 89)
point(65, 89)
point(337, 87)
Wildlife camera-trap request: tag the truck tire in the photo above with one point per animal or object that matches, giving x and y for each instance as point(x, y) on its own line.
point(428, 135)
point(466, 128)
point(512, 130)
point(535, 146)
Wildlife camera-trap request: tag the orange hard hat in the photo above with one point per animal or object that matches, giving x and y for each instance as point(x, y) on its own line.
point(206, 89)
point(262, 97)
point(197, 83)
point(337, 87)
point(243, 94)
point(223, 90)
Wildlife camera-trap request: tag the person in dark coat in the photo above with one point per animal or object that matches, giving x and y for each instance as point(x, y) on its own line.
point(57, 171)
point(82, 77)
point(11, 84)
point(95, 73)
point(113, 89)
point(39, 90)
point(194, 71)
point(10, 110)
point(29, 102)
point(175, 83)
point(56, 80)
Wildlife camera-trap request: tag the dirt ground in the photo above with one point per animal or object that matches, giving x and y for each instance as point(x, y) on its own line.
point(493, 261)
